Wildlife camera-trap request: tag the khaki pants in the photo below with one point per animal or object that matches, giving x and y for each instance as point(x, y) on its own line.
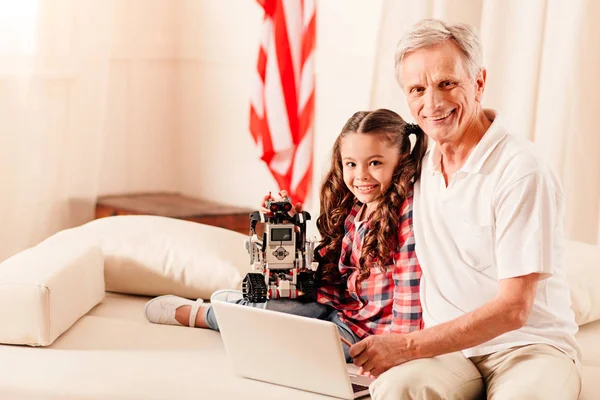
point(528, 372)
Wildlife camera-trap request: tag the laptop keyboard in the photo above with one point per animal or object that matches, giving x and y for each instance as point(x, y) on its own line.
point(358, 388)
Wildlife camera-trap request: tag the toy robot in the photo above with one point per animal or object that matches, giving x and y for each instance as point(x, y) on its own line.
point(282, 262)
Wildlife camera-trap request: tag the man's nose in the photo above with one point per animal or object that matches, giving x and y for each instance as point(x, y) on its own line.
point(433, 100)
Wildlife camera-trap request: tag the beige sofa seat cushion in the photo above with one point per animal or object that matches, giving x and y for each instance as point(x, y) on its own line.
point(114, 353)
point(45, 289)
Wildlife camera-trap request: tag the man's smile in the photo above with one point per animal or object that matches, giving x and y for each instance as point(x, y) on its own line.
point(440, 117)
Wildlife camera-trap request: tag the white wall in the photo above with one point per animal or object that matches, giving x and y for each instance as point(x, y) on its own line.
point(140, 149)
point(347, 33)
point(217, 159)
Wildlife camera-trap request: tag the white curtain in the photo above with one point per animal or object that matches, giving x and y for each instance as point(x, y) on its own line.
point(54, 73)
point(543, 59)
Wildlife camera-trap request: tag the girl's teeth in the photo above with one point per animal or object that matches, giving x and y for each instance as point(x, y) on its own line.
point(363, 188)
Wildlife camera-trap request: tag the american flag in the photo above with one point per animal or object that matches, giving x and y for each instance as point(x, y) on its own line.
point(282, 104)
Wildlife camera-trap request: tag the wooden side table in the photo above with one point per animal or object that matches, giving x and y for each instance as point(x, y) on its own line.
point(175, 205)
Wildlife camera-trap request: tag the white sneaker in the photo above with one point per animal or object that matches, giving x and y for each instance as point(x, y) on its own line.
point(226, 295)
point(161, 310)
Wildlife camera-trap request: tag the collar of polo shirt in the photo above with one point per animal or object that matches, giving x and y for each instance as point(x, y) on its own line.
point(480, 153)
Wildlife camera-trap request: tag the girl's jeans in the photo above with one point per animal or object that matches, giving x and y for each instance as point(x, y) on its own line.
point(295, 307)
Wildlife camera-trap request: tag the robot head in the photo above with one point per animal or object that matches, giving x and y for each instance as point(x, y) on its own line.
point(283, 206)
point(279, 210)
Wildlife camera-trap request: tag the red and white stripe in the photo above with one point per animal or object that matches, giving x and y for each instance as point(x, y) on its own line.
point(282, 104)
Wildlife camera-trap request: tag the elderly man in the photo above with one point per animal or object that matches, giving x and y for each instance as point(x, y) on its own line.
point(488, 218)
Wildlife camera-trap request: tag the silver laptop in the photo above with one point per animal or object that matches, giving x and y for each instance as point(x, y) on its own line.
point(288, 350)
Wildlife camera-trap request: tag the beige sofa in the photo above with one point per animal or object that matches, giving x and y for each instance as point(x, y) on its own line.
point(113, 353)
point(77, 348)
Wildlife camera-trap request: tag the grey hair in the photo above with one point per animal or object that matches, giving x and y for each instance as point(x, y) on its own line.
point(429, 32)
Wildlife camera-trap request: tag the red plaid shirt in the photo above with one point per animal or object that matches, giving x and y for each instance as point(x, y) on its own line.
point(388, 302)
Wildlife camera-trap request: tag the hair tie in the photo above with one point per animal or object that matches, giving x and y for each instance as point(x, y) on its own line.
point(413, 129)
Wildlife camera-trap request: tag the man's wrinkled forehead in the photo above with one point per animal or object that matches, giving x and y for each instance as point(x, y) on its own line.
point(433, 63)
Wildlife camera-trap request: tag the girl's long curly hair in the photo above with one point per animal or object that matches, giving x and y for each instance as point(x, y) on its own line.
point(337, 200)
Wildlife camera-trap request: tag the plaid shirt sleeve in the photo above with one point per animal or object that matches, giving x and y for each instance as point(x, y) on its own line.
point(407, 312)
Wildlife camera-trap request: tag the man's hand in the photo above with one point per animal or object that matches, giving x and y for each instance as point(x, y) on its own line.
point(508, 311)
point(376, 354)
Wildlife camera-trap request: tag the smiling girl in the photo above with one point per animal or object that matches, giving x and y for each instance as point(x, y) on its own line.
point(368, 271)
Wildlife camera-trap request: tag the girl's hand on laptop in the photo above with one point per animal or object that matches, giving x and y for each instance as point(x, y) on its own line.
point(376, 354)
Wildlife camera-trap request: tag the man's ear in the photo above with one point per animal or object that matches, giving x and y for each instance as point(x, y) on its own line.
point(480, 84)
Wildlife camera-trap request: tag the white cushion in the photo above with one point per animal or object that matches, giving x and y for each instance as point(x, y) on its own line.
point(583, 275)
point(45, 289)
point(152, 256)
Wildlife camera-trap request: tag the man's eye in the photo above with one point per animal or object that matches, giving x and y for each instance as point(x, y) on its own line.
point(448, 84)
point(416, 90)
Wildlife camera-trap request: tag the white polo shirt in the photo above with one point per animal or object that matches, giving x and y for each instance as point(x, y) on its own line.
point(500, 216)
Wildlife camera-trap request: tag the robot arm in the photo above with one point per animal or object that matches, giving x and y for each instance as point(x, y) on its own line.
point(256, 217)
point(309, 254)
